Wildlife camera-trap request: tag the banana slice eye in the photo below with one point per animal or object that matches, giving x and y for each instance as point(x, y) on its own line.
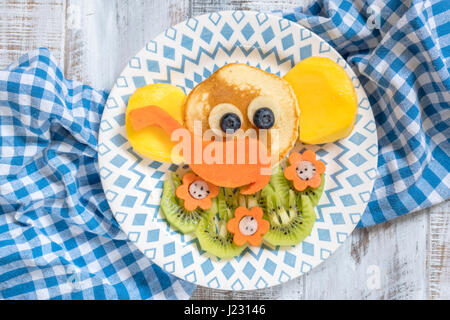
point(263, 112)
point(225, 118)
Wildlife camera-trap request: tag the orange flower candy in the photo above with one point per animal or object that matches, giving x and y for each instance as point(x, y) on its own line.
point(196, 192)
point(248, 226)
point(304, 170)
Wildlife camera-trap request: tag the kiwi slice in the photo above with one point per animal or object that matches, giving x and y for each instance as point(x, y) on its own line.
point(223, 208)
point(288, 225)
point(173, 208)
point(242, 200)
point(212, 232)
point(253, 200)
point(280, 184)
point(313, 194)
point(231, 198)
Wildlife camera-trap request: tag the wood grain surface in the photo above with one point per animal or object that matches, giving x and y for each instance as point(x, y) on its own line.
point(22, 28)
point(407, 258)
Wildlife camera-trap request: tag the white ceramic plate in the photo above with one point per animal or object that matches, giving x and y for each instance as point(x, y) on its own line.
point(185, 55)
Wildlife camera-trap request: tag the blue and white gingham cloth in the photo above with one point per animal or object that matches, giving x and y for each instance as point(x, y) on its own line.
point(58, 238)
point(400, 51)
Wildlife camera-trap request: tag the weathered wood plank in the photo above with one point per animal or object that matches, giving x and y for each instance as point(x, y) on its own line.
point(203, 6)
point(439, 253)
point(106, 33)
point(30, 24)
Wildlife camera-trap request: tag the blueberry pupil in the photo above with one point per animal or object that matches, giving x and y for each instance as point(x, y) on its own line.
point(264, 118)
point(230, 122)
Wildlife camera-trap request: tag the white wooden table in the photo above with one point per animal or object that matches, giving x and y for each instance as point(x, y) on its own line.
point(408, 258)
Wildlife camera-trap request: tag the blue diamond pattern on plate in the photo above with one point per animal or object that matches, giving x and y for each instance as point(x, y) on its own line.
point(268, 34)
point(354, 180)
point(337, 218)
point(153, 235)
point(139, 219)
point(105, 173)
point(270, 266)
point(187, 42)
point(215, 17)
point(287, 42)
point(324, 234)
point(139, 81)
point(153, 66)
point(305, 34)
point(105, 125)
point(120, 217)
point(120, 119)
point(192, 24)
point(207, 267)
point(248, 31)
point(228, 270)
point(249, 270)
point(185, 55)
point(122, 181)
point(206, 35)
point(305, 52)
point(135, 63)
point(187, 259)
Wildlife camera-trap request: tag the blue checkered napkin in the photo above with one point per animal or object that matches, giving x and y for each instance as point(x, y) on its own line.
point(400, 51)
point(58, 238)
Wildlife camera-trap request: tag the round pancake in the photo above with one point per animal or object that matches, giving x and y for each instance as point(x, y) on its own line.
point(239, 84)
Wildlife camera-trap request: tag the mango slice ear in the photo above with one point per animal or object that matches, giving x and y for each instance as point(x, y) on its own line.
point(154, 142)
point(327, 100)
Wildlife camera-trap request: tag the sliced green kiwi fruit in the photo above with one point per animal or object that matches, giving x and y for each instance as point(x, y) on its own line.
point(224, 210)
point(290, 213)
point(291, 224)
point(212, 232)
point(231, 198)
point(280, 184)
point(313, 194)
point(253, 200)
point(173, 208)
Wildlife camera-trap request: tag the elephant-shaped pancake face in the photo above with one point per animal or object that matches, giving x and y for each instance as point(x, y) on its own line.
point(238, 96)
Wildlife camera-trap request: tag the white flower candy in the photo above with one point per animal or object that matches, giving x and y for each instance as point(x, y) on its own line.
point(199, 189)
point(306, 170)
point(248, 225)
